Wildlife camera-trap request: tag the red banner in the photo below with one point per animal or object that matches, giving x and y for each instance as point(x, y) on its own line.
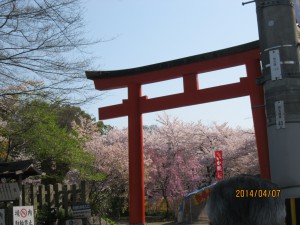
point(219, 165)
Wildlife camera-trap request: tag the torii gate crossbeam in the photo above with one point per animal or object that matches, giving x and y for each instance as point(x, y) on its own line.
point(187, 68)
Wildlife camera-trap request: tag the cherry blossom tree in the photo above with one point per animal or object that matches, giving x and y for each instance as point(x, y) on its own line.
point(182, 155)
point(179, 158)
point(173, 147)
point(109, 195)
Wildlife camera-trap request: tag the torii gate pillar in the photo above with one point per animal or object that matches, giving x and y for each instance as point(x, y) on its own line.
point(136, 156)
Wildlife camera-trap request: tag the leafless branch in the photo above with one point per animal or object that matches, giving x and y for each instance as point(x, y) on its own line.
point(39, 41)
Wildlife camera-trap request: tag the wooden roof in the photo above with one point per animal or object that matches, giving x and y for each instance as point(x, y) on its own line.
point(14, 169)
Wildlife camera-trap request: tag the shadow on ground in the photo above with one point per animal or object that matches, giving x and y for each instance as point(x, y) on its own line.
point(200, 222)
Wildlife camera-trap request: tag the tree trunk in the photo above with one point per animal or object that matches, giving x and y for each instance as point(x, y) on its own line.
point(167, 205)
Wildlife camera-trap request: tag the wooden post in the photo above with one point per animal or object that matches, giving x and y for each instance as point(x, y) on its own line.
point(33, 196)
point(26, 195)
point(66, 199)
point(83, 193)
point(83, 198)
point(74, 193)
point(49, 196)
point(41, 196)
point(58, 197)
point(20, 188)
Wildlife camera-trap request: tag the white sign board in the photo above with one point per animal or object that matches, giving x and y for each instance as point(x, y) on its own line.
point(9, 192)
point(275, 64)
point(280, 114)
point(81, 210)
point(82, 214)
point(2, 217)
point(23, 215)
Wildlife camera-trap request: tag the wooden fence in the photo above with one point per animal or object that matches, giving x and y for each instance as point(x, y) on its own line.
point(57, 198)
point(53, 196)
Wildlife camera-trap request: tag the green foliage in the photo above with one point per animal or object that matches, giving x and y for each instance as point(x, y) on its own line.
point(108, 203)
point(104, 129)
point(45, 216)
point(42, 131)
point(41, 216)
point(66, 114)
point(111, 222)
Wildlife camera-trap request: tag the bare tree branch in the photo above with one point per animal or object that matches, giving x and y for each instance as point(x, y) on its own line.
point(43, 40)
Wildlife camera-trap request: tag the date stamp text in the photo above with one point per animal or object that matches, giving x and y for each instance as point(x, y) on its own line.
point(240, 193)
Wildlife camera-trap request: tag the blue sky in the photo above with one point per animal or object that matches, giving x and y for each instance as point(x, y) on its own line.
point(147, 32)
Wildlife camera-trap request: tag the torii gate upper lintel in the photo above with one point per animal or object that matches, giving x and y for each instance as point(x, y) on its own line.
point(187, 68)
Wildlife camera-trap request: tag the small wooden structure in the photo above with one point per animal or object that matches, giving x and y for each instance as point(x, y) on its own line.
point(18, 171)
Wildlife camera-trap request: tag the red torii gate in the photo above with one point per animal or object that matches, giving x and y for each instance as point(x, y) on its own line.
point(187, 68)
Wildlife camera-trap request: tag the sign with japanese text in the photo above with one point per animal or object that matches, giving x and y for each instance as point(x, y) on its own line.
point(80, 206)
point(81, 210)
point(219, 165)
point(2, 217)
point(23, 215)
point(9, 192)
